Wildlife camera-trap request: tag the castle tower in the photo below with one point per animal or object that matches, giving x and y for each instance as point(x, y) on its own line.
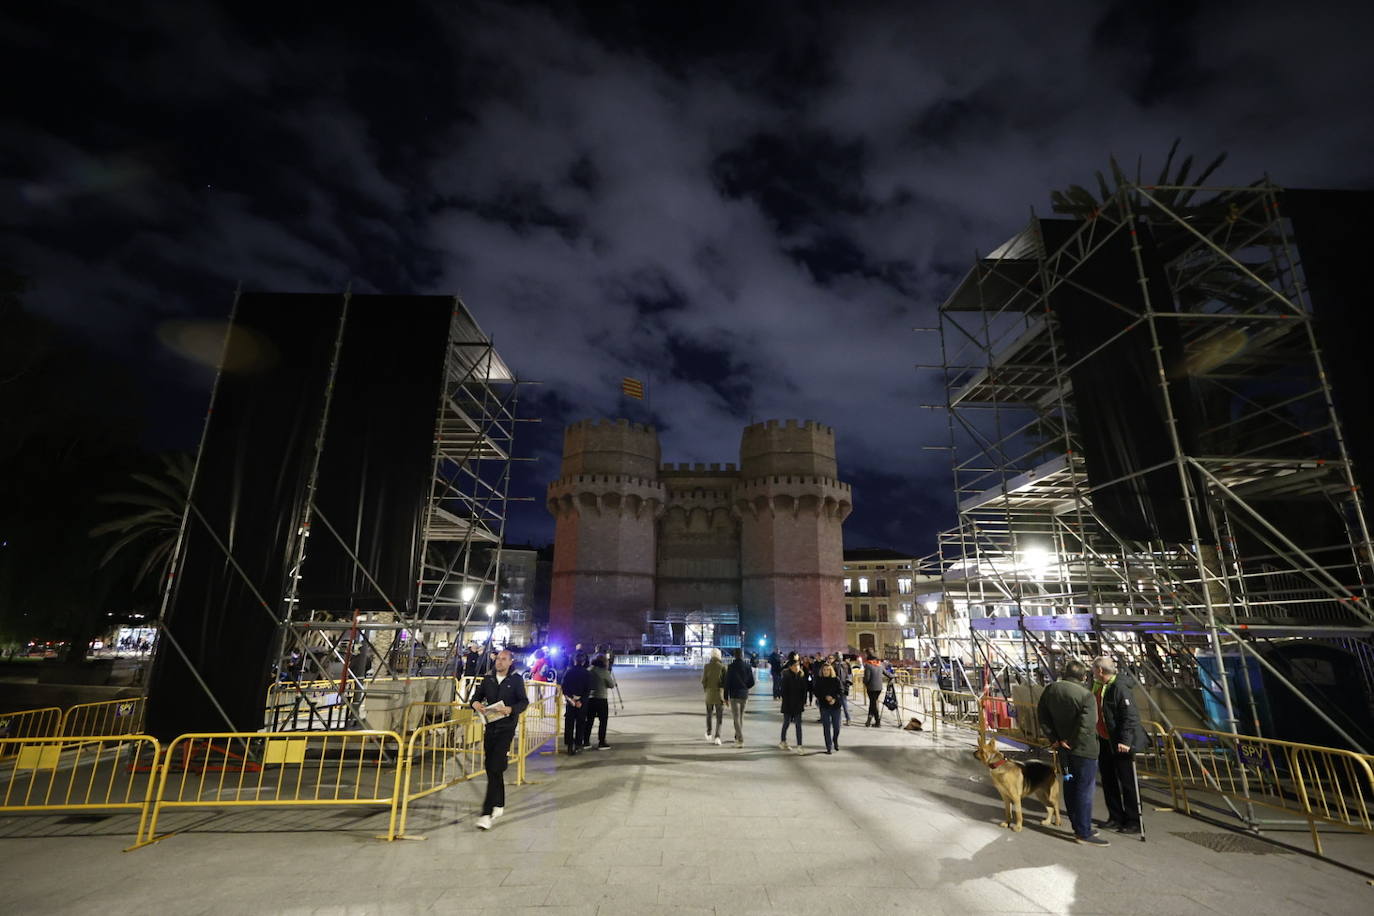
point(605, 504)
point(791, 506)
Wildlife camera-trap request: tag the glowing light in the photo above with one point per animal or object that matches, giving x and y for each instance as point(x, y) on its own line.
point(932, 607)
point(491, 610)
point(467, 593)
point(901, 620)
point(1035, 557)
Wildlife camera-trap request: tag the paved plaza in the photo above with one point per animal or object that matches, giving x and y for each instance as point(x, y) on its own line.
point(665, 823)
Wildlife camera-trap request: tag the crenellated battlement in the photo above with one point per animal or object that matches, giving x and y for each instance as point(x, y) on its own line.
point(698, 468)
point(610, 447)
point(787, 447)
point(759, 484)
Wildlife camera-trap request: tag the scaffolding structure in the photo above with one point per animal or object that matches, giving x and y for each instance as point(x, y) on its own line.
point(1277, 546)
point(379, 654)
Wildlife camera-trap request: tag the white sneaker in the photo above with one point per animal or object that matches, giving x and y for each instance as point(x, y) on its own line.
point(784, 746)
point(717, 742)
point(799, 750)
point(484, 822)
point(708, 736)
point(497, 812)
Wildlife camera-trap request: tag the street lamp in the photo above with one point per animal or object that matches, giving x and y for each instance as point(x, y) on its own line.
point(491, 610)
point(467, 593)
point(932, 607)
point(901, 620)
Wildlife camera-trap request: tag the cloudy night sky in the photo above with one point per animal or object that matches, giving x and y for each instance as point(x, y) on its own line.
point(749, 206)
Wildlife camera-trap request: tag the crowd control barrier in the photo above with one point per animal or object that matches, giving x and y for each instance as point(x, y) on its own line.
point(439, 755)
point(110, 717)
point(282, 769)
point(103, 773)
point(30, 723)
point(539, 724)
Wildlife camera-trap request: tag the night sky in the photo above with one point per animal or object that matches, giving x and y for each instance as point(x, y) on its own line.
point(748, 206)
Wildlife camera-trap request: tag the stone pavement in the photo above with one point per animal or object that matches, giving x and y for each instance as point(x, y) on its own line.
point(665, 823)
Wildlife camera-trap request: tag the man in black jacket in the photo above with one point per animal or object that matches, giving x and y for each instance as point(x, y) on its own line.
point(499, 699)
point(739, 680)
point(1119, 737)
point(577, 688)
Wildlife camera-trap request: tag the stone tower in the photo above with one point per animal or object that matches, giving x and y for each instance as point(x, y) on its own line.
point(791, 505)
point(633, 535)
point(605, 502)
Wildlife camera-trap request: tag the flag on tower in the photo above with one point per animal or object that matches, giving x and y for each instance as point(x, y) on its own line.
point(632, 388)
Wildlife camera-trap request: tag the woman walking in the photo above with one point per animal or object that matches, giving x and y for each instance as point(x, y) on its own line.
point(794, 690)
point(829, 692)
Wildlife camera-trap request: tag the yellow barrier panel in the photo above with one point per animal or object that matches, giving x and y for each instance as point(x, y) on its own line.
point(244, 769)
point(111, 717)
point(540, 722)
point(440, 755)
point(1322, 785)
point(30, 723)
point(101, 772)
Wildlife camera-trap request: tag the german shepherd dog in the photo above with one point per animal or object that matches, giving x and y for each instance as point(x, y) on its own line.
point(1015, 780)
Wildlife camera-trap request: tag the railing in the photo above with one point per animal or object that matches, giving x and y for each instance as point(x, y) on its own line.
point(1318, 785)
point(79, 774)
point(440, 755)
point(110, 717)
point(246, 769)
point(29, 723)
point(539, 724)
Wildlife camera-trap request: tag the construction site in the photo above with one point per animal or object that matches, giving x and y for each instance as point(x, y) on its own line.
point(1151, 461)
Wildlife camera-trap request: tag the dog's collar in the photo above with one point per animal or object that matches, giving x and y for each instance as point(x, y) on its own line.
point(993, 766)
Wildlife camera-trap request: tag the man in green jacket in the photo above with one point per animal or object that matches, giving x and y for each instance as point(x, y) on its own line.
point(1068, 717)
point(713, 683)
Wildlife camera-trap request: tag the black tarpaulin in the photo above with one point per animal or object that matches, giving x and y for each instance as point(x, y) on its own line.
point(378, 455)
point(248, 500)
point(1121, 417)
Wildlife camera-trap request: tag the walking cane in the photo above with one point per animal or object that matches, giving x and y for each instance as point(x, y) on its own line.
point(1139, 803)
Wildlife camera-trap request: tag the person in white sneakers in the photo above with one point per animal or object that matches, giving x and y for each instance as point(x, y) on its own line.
point(713, 683)
point(499, 699)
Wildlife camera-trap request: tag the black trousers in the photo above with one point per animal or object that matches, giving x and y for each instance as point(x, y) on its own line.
point(1118, 783)
point(495, 747)
point(597, 711)
point(874, 712)
point(574, 725)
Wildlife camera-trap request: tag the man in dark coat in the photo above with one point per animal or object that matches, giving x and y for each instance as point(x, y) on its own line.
point(775, 672)
point(1119, 738)
point(794, 694)
point(500, 698)
point(739, 680)
point(577, 688)
point(1068, 716)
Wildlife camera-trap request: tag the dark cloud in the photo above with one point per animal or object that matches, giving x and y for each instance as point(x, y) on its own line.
point(748, 205)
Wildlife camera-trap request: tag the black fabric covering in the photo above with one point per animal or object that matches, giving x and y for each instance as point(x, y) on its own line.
point(1121, 416)
point(250, 489)
point(378, 454)
point(1330, 228)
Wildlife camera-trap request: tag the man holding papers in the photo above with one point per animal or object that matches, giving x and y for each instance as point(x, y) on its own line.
point(499, 699)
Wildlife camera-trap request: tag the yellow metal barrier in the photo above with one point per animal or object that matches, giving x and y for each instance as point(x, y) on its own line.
point(111, 717)
point(30, 723)
point(245, 769)
point(440, 755)
point(1320, 785)
point(540, 722)
point(107, 772)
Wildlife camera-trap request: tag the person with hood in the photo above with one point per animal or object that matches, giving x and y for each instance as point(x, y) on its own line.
point(577, 689)
point(1119, 738)
point(739, 680)
point(1067, 715)
point(794, 695)
point(713, 683)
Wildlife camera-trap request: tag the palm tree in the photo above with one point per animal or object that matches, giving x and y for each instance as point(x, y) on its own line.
point(1079, 201)
point(151, 527)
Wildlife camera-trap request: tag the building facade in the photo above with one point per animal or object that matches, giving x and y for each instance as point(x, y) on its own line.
point(647, 553)
point(886, 610)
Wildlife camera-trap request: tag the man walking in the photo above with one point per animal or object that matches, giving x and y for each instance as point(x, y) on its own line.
point(874, 682)
point(775, 673)
point(739, 680)
point(713, 683)
point(1119, 738)
point(577, 689)
point(499, 699)
point(1068, 716)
